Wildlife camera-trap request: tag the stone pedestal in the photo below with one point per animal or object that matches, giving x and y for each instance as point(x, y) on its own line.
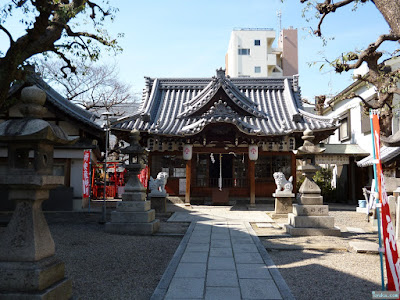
point(28, 267)
point(283, 204)
point(158, 203)
point(311, 216)
point(133, 217)
point(134, 214)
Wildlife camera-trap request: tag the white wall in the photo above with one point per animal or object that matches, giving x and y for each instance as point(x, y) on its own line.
point(76, 176)
point(355, 109)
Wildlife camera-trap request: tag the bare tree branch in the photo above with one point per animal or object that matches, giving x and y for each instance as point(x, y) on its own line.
point(8, 34)
point(94, 87)
point(368, 53)
point(93, 6)
point(47, 22)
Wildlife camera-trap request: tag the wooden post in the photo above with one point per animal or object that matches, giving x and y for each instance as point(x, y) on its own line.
point(188, 177)
point(252, 178)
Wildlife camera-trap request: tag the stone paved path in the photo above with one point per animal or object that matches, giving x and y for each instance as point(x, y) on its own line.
point(220, 257)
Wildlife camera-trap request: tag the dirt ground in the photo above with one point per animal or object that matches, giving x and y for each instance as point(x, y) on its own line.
point(326, 267)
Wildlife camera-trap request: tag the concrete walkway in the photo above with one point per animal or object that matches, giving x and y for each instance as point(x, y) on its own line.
point(220, 257)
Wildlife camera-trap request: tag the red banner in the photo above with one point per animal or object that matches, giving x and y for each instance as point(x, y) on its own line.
point(389, 242)
point(86, 174)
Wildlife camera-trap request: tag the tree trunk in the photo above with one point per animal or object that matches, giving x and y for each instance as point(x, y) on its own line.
point(390, 9)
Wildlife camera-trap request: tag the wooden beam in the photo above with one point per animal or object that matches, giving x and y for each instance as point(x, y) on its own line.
point(188, 179)
point(252, 178)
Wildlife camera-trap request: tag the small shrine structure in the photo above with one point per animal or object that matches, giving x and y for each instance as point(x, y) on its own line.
point(221, 135)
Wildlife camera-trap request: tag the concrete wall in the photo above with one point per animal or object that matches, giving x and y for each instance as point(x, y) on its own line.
point(288, 43)
point(263, 56)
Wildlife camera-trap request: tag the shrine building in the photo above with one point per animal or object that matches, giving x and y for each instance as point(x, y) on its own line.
point(222, 136)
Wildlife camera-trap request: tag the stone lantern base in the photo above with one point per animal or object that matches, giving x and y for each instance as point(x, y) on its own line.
point(43, 279)
point(133, 217)
point(311, 217)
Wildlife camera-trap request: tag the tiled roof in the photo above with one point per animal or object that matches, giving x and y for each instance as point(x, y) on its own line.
point(349, 149)
point(387, 154)
point(256, 106)
point(67, 107)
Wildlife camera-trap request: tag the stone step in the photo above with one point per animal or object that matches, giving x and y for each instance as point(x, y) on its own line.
point(311, 221)
point(133, 206)
point(311, 200)
point(133, 228)
point(133, 217)
point(294, 231)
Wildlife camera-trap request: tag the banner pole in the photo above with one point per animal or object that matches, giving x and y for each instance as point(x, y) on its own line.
point(378, 211)
point(90, 179)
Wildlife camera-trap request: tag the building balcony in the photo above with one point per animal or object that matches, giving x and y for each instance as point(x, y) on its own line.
point(271, 60)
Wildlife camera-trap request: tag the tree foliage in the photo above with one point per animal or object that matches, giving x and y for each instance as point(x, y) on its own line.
point(52, 26)
point(96, 87)
point(381, 76)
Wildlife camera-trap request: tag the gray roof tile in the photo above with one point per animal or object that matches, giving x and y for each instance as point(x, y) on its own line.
point(257, 106)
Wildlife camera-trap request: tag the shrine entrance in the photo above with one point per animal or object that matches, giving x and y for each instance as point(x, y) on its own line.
point(221, 169)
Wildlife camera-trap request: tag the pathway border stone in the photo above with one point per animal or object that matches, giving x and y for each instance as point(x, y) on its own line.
point(267, 282)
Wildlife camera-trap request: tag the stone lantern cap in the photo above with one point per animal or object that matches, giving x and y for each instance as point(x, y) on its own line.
point(134, 147)
point(31, 128)
point(308, 146)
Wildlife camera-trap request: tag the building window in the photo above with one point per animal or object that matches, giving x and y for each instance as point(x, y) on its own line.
point(257, 42)
point(244, 51)
point(344, 128)
point(257, 69)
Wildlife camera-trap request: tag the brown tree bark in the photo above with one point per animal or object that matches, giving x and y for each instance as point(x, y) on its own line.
point(390, 10)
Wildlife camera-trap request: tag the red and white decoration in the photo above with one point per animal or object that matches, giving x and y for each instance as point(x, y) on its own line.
point(389, 242)
point(187, 152)
point(253, 152)
point(144, 176)
point(86, 174)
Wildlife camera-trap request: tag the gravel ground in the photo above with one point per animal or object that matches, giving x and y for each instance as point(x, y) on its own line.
point(326, 267)
point(108, 266)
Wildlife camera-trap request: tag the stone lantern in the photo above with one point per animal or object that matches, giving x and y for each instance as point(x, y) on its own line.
point(133, 214)
point(310, 216)
point(28, 267)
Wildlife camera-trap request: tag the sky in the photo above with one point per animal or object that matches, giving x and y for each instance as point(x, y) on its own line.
point(186, 38)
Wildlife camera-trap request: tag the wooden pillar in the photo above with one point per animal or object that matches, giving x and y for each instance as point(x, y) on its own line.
point(252, 179)
point(294, 168)
point(188, 177)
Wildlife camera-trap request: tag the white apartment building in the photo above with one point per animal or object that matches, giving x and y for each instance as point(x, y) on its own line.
point(251, 53)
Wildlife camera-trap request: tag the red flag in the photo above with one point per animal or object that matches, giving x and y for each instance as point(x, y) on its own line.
point(389, 242)
point(86, 174)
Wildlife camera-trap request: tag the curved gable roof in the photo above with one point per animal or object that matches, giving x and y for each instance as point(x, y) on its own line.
point(256, 106)
point(65, 106)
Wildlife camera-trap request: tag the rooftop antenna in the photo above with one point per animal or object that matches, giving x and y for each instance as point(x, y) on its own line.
point(279, 15)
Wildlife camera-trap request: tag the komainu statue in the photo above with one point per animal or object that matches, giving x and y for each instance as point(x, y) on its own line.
point(283, 186)
point(157, 186)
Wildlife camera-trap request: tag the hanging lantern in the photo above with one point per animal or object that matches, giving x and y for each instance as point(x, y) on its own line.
point(253, 152)
point(187, 152)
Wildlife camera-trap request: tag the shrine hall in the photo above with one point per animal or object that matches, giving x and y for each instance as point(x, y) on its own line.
point(222, 136)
